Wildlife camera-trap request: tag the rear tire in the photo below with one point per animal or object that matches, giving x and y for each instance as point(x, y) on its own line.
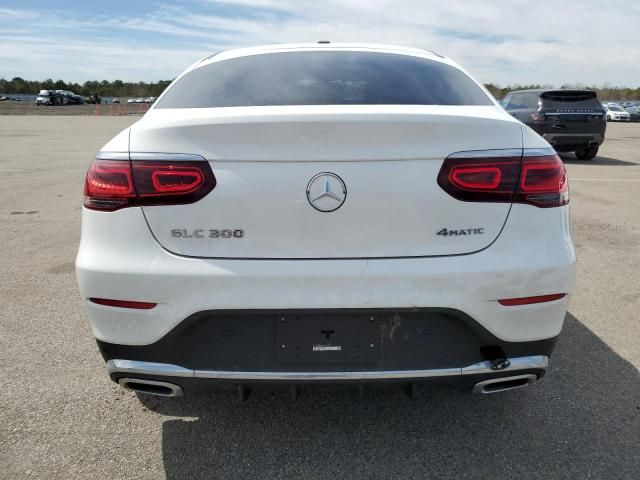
point(587, 154)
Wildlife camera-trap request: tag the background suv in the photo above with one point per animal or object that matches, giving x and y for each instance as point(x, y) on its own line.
point(570, 120)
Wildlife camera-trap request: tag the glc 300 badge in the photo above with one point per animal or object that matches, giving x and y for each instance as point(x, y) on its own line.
point(207, 233)
point(326, 192)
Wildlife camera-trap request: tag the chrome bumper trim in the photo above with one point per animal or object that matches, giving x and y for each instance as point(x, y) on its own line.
point(132, 367)
point(147, 368)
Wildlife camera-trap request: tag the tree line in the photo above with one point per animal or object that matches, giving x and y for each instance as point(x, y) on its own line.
point(104, 88)
point(118, 88)
point(605, 92)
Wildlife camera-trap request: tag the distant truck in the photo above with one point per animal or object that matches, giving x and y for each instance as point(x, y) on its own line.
point(93, 98)
point(45, 97)
point(58, 97)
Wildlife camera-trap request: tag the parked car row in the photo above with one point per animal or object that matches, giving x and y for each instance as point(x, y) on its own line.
point(142, 100)
point(65, 97)
point(58, 97)
point(622, 112)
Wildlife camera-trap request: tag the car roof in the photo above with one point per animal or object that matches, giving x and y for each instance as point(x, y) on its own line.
point(310, 47)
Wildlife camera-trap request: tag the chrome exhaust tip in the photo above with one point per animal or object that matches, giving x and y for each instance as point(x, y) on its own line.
point(151, 387)
point(502, 384)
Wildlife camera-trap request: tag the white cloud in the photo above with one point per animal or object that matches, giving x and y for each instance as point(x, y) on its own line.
point(586, 41)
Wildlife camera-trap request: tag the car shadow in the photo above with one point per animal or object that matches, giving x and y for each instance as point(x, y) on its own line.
point(582, 420)
point(599, 160)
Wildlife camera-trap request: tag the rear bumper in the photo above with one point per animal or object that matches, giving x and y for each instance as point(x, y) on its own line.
point(324, 344)
point(214, 349)
point(569, 141)
point(181, 376)
point(119, 259)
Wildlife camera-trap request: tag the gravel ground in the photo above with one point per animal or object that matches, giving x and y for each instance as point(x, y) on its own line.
point(61, 417)
point(30, 108)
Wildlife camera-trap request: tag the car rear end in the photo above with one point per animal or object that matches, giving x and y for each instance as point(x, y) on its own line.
point(616, 113)
point(570, 120)
point(326, 214)
point(634, 113)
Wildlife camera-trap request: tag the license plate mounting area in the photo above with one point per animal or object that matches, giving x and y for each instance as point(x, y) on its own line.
point(350, 338)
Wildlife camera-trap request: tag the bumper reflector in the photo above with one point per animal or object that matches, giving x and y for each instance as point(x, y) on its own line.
point(512, 302)
point(123, 303)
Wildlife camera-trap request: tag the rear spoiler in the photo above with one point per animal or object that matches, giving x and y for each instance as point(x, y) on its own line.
point(569, 95)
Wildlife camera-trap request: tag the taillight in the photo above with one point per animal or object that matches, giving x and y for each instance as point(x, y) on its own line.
point(170, 183)
point(537, 117)
point(543, 182)
point(480, 179)
point(109, 185)
point(114, 184)
point(494, 176)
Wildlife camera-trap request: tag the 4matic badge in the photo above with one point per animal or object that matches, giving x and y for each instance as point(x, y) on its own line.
point(448, 232)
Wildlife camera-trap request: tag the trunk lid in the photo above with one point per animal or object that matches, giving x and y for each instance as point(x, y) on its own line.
point(264, 159)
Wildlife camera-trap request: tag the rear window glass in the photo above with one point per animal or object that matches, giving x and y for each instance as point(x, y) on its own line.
point(323, 78)
point(570, 100)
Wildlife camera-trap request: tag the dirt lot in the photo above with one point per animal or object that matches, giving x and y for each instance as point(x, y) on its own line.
point(61, 417)
point(30, 108)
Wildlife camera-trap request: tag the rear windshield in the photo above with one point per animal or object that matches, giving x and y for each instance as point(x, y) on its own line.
point(570, 100)
point(323, 78)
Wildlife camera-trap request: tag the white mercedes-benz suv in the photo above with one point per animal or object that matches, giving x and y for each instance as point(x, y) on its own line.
point(323, 213)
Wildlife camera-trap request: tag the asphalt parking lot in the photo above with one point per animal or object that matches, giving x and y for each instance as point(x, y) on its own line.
point(61, 417)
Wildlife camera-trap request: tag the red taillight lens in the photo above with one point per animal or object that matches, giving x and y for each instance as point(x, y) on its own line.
point(536, 180)
point(475, 179)
point(537, 117)
point(513, 302)
point(114, 184)
point(109, 184)
point(478, 178)
point(543, 182)
point(109, 302)
point(176, 181)
point(170, 183)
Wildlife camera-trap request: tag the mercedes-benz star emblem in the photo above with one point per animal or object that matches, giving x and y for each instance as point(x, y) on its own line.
point(326, 192)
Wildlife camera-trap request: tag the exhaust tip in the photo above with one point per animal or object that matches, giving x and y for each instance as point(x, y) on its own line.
point(151, 387)
point(502, 384)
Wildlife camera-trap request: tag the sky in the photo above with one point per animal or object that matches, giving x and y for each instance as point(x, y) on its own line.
point(505, 42)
